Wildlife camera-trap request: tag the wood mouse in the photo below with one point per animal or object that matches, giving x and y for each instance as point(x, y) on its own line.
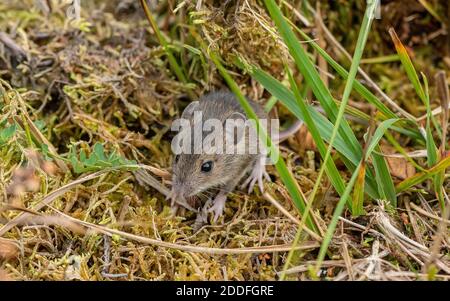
point(206, 174)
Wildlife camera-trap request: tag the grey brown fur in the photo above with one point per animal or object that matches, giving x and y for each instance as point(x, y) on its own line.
point(228, 169)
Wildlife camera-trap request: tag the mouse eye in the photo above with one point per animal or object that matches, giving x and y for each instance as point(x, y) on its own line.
point(177, 157)
point(207, 166)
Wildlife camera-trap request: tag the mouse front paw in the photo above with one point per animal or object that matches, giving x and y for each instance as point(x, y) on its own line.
point(257, 175)
point(218, 206)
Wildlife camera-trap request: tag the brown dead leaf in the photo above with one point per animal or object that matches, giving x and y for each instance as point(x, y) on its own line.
point(8, 249)
point(447, 61)
point(4, 275)
point(399, 167)
point(264, 256)
point(305, 140)
point(404, 218)
point(49, 168)
point(36, 160)
point(24, 179)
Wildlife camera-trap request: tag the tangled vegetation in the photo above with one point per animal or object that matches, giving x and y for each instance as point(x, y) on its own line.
point(86, 105)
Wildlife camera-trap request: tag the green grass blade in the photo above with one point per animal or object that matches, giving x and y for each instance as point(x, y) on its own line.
point(162, 40)
point(330, 168)
point(334, 220)
point(311, 75)
point(360, 44)
point(287, 98)
point(356, 174)
point(444, 97)
point(383, 177)
point(381, 59)
point(379, 133)
point(432, 152)
point(324, 126)
point(425, 175)
point(359, 88)
point(408, 65)
point(270, 103)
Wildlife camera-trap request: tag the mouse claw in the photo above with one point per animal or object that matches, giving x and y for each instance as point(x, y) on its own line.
point(177, 201)
point(218, 206)
point(186, 205)
point(171, 197)
point(174, 209)
point(257, 175)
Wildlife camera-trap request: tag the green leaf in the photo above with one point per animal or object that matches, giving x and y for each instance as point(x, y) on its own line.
point(362, 38)
point(383, 177)
point(7, 133)
point(408, 65)
point(422, 176)
point(359, 88)
point(331, 168)
point(379, 133)
point(311, 75)
point(386, 186)
point(97, 160)
point(432, 151)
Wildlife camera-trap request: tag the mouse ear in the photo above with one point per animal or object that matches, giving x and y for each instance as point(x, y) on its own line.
point(234, 127)
point(189, 110)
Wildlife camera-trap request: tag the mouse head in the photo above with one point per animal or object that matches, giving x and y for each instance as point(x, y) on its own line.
point(196, 173)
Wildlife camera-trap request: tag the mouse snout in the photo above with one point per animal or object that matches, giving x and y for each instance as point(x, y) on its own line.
point(178, 191)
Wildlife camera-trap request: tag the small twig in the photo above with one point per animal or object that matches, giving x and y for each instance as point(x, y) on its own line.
point(327, 263)
point(302, 18)
point(107, 259)
point(441, 234)
point(408, 245)
point(423, 212)
point(49, 198)
point(414, 275)
point(162, 40)
point(413, 222)
point(274, 202)
point(13, 46)
point(435, 112)
point(348, 261)
point(444, 96)
point(144, 179)
point(373, 260)
point(375, 232)
point(189, 248)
